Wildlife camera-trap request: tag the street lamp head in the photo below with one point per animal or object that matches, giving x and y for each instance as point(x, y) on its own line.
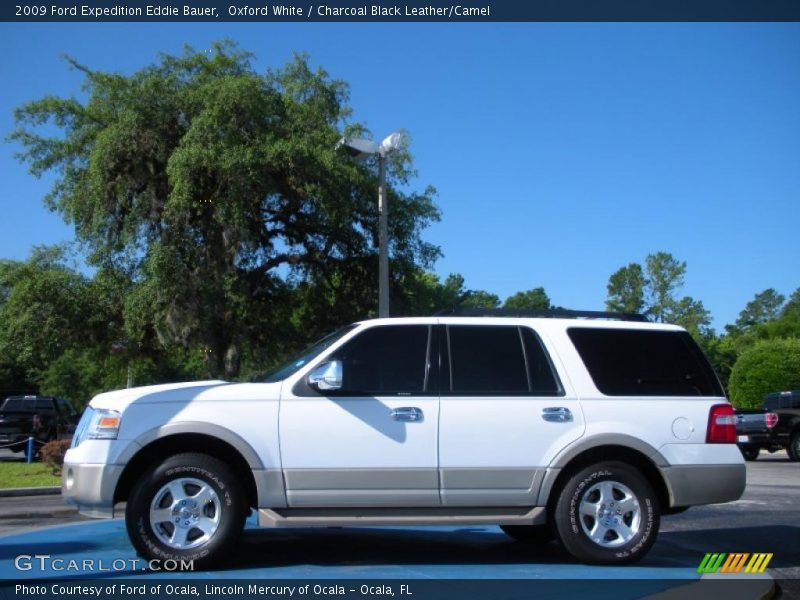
point(357, 147)
point(392, 142)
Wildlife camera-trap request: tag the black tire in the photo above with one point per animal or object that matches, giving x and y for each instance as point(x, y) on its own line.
point(641, 522)
point(750, 452)
point(226, 507)
point(529, 534)
point(793, 449)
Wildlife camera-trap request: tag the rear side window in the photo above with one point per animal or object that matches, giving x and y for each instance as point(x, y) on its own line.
point(487, 360)
point(626, 362)
point(542, 375)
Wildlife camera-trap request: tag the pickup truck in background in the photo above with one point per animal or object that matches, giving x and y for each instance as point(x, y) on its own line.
point(754, 431)
point(774, 427)
point(45, 418)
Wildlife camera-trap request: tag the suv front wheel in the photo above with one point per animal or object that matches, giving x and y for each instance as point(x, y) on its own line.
point(607, 513)
point(190, 507)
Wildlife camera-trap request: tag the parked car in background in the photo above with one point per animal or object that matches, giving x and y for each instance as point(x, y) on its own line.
point(774, 427)
point(45, 418)
point(786, 432)
point(754, 431)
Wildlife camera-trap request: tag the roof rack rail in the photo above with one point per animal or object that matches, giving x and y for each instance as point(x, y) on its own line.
point(552, 313)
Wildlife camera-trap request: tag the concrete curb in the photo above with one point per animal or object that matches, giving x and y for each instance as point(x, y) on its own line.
point(30, 491)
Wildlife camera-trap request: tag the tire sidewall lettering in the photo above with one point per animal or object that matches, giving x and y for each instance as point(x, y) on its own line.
point(643, 538)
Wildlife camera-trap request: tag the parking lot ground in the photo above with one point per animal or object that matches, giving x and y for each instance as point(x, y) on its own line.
point(766, 519)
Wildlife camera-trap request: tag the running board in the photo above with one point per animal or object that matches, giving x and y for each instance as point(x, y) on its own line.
point(335, 517)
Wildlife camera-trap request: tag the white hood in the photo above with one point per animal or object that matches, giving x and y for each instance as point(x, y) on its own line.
point(168, 392)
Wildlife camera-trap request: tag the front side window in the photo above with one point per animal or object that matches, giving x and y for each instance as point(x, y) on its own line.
point(296, 363)
point(385, 360)
point(630, 362)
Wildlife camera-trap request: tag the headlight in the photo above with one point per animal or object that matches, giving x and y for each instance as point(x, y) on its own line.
point(96, 424)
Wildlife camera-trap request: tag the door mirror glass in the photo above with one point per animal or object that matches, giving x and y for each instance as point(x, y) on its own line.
point(326, 377)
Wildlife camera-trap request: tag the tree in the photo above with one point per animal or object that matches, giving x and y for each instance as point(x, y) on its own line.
point(664, 277)
point(421, 293)
point(692, 315)
point(764, 307)
point(626, 289)
point(533, 299)
point(48, 308)
point(652, 291)
point(792, 306)
point(480, 299)
point(768, 366)
point(218, 191)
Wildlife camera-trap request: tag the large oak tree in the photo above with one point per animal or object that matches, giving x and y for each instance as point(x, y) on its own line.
point(219, 192)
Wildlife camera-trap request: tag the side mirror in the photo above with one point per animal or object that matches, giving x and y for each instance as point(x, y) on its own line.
point(326, 377)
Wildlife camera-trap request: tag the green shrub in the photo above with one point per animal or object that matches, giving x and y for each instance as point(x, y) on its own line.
point(768, 366)
point(52, 453)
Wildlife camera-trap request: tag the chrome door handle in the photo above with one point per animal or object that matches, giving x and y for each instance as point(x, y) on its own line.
point(557, 414)
point(407, 413)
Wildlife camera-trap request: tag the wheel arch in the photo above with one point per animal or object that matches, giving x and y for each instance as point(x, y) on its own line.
point(162, 442)
point(621, 448)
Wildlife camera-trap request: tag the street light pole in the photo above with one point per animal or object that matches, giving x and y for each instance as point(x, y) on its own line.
point(361, 148)
point(383, 239)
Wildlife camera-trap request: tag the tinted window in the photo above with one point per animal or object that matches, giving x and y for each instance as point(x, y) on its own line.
point(12, 404)
point(385, 360)
point(66, 407)
point(781, 401)
point(44, 405)
point(19, 404)
point(624, 362)
point(542, 375)
point(294, 364)
point(487, 359)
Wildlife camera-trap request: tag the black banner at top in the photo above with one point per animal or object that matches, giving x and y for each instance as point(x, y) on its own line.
point(402, 11)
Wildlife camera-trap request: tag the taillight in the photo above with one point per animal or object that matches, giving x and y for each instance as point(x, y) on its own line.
point(721, 425)
point(772, 420)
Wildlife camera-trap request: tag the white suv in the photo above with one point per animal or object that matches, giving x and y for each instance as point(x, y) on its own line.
point(586, 428)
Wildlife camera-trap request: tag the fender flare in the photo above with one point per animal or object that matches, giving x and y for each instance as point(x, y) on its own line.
point(195, 427)
point(568, 454)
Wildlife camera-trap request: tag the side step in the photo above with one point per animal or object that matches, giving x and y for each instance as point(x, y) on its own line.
point(335, 517)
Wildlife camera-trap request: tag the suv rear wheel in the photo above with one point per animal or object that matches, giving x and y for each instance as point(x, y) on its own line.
point(607, 513)
point(189, 507)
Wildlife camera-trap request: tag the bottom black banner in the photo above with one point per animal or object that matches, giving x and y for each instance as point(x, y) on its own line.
point(730, 588)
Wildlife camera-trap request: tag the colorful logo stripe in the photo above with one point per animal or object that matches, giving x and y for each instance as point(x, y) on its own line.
point(734, 562)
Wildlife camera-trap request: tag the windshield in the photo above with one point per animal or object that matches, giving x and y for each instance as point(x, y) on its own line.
point(290, 367)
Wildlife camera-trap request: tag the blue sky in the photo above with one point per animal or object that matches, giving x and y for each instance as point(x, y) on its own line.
point(560, 151)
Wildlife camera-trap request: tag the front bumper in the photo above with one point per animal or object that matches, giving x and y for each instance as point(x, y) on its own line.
point(91, 487)
point(690, 485)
